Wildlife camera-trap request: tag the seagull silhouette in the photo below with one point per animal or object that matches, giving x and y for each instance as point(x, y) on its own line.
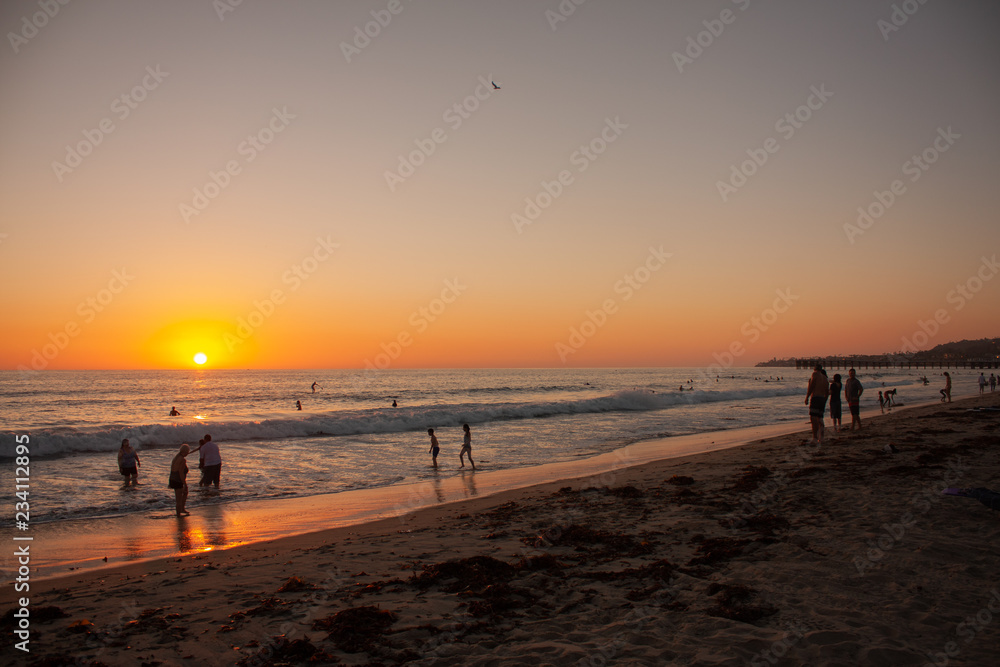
point(495, 86)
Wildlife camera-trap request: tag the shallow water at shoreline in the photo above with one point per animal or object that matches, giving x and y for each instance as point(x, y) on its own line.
point(519, 419)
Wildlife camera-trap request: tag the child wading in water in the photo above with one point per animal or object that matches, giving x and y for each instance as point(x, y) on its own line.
point(466, 447)
point(434, 447)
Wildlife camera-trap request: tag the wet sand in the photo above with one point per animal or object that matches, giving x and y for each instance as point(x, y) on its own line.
point(774, 552)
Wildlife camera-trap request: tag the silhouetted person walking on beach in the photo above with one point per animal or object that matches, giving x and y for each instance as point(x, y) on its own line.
point(852, 392)
point(466, 447)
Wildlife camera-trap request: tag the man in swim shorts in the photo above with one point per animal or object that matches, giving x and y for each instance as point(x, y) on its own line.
point(817, 391)
point(211, 463)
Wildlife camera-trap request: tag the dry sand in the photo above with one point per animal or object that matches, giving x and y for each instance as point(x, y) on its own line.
point(776, 552)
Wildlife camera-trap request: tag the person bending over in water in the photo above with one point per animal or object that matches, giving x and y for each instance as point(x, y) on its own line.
point(433, 451)
point(946, 392)
point(178, 479)
point(128, 464)
point(466, 447)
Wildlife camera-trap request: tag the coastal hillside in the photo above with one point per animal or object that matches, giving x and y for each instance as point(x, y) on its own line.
point(959, 351)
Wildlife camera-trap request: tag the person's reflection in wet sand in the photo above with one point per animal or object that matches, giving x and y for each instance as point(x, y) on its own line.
point(469, 481)
point(215, 525)
point(438, 491)
point(184, 534)
point(134, 548)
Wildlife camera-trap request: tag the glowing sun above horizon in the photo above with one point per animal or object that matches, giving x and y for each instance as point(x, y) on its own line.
point(200, 358)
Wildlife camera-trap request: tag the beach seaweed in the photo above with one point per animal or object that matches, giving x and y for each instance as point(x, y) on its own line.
point(283, 651)
point(624, 492)
point(733, 602)
point(751, 479)
point(476, 572)
point(356, 629)
point(716, 550)
point(681, 480)
point(295, 585)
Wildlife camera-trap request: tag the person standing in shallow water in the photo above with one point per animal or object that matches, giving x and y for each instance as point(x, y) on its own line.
point(466, 447)
point(210, 463)
point(178, 479)
point(433, 451)
point(128, 464)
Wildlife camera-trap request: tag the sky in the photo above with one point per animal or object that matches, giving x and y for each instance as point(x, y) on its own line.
point(312, 184)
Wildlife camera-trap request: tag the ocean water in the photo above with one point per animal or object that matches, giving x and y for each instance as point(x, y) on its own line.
point(348, 435)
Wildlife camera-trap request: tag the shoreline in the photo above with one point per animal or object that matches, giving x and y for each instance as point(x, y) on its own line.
point(108, 542)
point(810, 522)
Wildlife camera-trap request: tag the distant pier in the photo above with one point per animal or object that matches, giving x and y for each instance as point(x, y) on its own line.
point(889, 362)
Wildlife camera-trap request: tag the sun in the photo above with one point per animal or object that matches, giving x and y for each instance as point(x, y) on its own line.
point(200, 358)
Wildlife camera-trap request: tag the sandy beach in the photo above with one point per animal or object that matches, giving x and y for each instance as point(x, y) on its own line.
point(774, 552)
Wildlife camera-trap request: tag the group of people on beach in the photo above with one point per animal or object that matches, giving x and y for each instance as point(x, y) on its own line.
point(992, 382)
point(820, 389)
point(466, 448)
point(209, 462)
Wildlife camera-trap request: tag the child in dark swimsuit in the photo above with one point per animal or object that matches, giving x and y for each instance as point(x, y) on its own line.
point(434, 447)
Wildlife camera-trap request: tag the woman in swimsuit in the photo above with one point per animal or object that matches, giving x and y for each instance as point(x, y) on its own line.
point(178, 479)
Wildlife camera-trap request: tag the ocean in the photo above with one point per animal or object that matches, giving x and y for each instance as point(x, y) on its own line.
point(348, 436)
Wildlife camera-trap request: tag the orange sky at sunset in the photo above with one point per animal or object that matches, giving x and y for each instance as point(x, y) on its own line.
point(256, 189)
